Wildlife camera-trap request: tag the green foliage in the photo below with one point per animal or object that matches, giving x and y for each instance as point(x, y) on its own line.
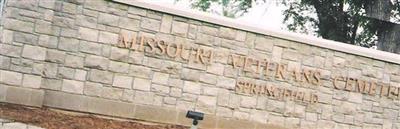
point(339, 20)
point(229, 8)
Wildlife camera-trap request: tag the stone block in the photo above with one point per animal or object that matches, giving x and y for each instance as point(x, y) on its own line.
point(206, 104)
point(355, 97)
point(28, 5)
point(9, 50)
point(108, 38)
point(119, 54)
point(278, 106)
point(210, 90)
point(139, 71)
point(226, 123)
point(227, 33)
point(192, 87)
point(208, 78)
point(25, 38)
point(74, 61)
point(65, 22)
point(55, 56)
point(48, 4)
point(208, 30)
point(137, 11)
point(241, 115)
point(64, 72)
point(225, 82)
point(119, 67)
point(100, 76)
point(70, 33)
point(72, 86)
point(88, 34)
point(205, 39)
point(51, 84)
point(323, 124)
point(93, 89)
point(108, 19)
point(5, 62)
point(144, 97)
point(34, 52)
point(224, 97)
point(128, 95)
point(10, 78)
point(86, 21)
point(69, 8)
point(80, 75)
point(32, 81)
point(248, 102)
point(90, 47)
point(166, 23)
point(153, 62)
point(192, 31)
point(7, 36)
point(216, 68)
point(264, 43)
point(48, 14)
point(160, 89)
point(169, 100)
point(160, 78)
point(276, 120)
point(277, 54)
point(155, 113)
point(129, 23)
point(62, 100)
point(180, 28)
point(150, 24)
point(18, 25)
point(68, 44)
point(111, 107)
point(37, 68)
point(291, 55)
point(96, 5)
point(259, 116)
point(224, 112)
point(25, 96)
point(97, 62)
point(123, 81)
point(191, 75)
point(175, 82)
point(48, 41)
point(175, 92)
point(3, 93)
point(154, 14)
point(241, 36)
point(45, 27)
point(141, 84)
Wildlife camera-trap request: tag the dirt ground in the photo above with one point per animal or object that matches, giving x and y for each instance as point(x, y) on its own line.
point(51, 119)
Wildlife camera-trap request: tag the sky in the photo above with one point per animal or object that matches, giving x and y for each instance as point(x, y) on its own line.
point(267, 15)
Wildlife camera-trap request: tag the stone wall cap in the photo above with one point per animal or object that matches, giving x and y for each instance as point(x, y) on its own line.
point(306, 39)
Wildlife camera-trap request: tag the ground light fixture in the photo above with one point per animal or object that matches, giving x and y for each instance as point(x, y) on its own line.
point(196, 116)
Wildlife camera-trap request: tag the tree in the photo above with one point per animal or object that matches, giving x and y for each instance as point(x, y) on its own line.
point(228, 8)
point(358, 22)
point(381, 12)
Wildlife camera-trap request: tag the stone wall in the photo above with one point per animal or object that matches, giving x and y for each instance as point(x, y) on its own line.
point(78, 55)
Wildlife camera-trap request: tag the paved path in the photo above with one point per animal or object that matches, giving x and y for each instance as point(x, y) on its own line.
point(10, 124)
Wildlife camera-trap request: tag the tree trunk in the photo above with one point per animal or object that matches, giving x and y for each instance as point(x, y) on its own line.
point(388, 33)
point(389, 38)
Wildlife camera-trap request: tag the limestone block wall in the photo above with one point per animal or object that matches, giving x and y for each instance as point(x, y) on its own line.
point(135, 60)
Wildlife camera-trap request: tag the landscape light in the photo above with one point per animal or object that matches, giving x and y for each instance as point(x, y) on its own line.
point(196, 116)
